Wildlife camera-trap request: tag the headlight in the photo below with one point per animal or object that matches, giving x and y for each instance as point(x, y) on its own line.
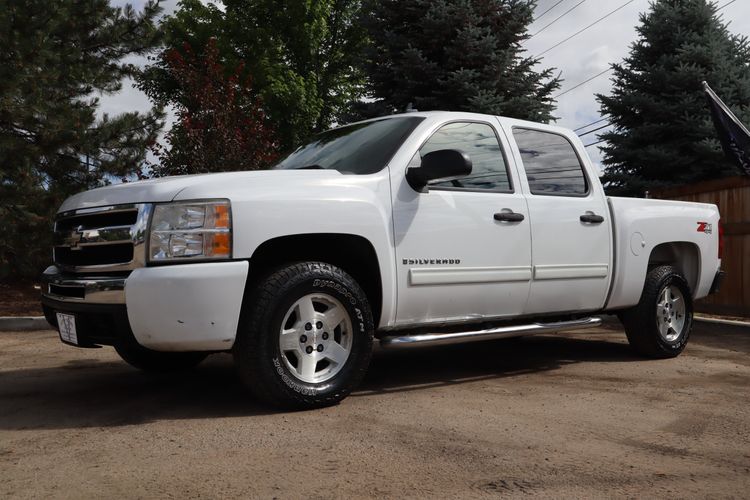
point(191, 230)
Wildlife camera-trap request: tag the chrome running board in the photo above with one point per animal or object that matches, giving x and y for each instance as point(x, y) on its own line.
point(432, 339)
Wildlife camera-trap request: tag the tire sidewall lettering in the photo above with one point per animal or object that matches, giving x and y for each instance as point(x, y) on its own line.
point(360, 319)
point(338, 287)
point(305, 391)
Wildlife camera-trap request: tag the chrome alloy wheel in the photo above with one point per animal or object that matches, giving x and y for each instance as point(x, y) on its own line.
point(670, 313)
point(316, 338)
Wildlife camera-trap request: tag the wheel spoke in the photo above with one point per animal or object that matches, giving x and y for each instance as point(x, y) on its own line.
point(306, 366)
point(662, 298)
point(306, 309)
point(336, 353)
point(663, 328)
point(334, 316)
point(290, 340)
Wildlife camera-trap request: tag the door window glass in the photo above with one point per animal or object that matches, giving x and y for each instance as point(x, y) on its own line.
point(478, 140)
point(551, 164)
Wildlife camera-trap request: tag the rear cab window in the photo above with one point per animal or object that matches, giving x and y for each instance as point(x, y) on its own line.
point(551, 163)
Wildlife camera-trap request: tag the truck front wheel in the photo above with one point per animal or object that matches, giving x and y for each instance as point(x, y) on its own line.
point(306, 336)
point(659, 326)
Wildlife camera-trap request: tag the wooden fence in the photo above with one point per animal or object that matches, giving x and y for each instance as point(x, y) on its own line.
point(732, 195)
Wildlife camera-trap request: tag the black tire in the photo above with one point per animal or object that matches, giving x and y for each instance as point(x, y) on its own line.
point(641, 323)
point(257, 353)
point(156, 361)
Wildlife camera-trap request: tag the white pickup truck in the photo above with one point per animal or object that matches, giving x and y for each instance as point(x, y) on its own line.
point(415, 229)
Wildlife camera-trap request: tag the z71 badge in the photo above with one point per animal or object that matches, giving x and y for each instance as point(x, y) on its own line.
point(704, 227)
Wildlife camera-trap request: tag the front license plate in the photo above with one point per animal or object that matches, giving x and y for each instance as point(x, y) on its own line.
point(66, 324)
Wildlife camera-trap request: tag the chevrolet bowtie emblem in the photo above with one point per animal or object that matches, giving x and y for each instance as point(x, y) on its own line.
point(81, 235)
point(76, 238)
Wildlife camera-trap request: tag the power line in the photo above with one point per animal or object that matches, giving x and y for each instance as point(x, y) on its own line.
point(584, 29)
point(592, 123)
point(583, 83)
point(542, 14)
point(595, 143)
point(730, 2)
point(595, 130)
point(558, 18)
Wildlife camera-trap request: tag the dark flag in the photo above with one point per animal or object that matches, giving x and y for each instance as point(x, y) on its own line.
point(734, 136)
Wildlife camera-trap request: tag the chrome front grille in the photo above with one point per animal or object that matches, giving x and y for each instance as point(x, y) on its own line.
point(102, 239)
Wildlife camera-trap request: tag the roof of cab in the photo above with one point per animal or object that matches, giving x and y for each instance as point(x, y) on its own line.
point(510, 121)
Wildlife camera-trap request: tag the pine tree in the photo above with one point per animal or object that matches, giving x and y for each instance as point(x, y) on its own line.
point(458, 55)
point(663, 133)
point(55, 58)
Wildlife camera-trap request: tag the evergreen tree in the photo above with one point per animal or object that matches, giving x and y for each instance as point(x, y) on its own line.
point(301, 55)
point(457, 55)
point(55, 58)
point(663, 133)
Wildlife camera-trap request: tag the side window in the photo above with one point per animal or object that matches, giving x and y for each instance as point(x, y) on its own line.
point(479, 141)
point(552, 165)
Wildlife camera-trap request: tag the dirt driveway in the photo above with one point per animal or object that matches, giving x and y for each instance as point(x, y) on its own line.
point(575, 416)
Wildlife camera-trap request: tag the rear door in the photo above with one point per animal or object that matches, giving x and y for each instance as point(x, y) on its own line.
point(570, 226)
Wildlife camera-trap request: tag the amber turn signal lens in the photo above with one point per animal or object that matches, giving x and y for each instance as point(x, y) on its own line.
point(221, 245)
point(221, 216)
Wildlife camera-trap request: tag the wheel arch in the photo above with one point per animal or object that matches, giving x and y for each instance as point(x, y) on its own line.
point(682, 255)
point(353, 253)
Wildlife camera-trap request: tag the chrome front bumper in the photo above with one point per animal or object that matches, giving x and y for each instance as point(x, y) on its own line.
point(76, 289)
point(98, 303)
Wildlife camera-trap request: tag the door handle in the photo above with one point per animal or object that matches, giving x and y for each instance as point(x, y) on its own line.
point(592, 218)
point(509, 217)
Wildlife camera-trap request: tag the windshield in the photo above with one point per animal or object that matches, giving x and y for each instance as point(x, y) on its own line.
point(362, 148)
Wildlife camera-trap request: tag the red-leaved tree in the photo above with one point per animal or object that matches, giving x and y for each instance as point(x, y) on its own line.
point(220, 124)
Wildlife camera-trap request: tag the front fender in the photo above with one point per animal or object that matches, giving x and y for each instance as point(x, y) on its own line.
point(278, 206)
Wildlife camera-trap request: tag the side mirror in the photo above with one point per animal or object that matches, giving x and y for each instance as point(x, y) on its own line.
point(441, 164)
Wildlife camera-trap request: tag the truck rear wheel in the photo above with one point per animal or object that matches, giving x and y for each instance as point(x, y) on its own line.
point(659, 326)
point(156, 361)
point(306, 337)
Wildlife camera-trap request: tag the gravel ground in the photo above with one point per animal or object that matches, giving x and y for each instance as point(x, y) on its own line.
point(575, 415)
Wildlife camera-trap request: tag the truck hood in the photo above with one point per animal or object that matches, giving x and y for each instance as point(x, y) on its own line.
point(168, 188)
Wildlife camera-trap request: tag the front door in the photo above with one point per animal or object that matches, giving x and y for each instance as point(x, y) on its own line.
point(570, 226)
point(460, 256)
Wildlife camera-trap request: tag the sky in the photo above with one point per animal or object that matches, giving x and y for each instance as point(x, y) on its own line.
point(578, 59)
point(592, 51)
